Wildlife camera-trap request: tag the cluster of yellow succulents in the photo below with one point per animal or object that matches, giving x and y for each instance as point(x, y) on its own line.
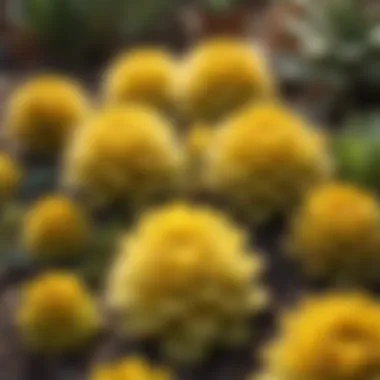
point(130, 368)
point(265, 158)
point(43, 113)
point(331, 337)
point(145, 75)
point(127, 153)
point(186, 276)
point(221, 75)
point(10, 177)
point(56, 314)
point(55, 228)
point(336, 232)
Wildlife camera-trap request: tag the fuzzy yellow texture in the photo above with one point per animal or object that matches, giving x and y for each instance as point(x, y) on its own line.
point(10, 177)
point(331, 337)
point(265, 158)
point(144, 75)
point(219, 76)
point(44, 111)
point(336, 231)
point(124, 153)
point(130, 368)
point(186, 275)
point(55, 227)
point(197, 147)
point(56, 313)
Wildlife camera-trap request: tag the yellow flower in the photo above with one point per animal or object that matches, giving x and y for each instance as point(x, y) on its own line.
point(43, 112)
point(221, 75)
point(124, 153)
point(336, 231)
point(265, 158)
point(186, 275)
point(10, 177)
point(129, 369)
point(55, 227)
point(333, 337)
point(56, 314)
point(144, 75)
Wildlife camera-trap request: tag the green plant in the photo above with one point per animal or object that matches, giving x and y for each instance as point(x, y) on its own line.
point(56, 23)
point(72, 25)
point(357, 151)
point(340, 45)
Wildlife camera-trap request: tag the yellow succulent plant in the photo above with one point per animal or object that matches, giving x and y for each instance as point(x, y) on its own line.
point(187, 277)
point(220, 75)
point(265, 158)
point(331, 337)
point(128, 153)
point(56, 314)
point(43, 113)
point(10, 177)
point(336, 232)
point(143, 75)
point(55, 227)
point(130, 368)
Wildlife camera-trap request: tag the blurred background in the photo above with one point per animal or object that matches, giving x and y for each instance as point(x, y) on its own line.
point(327, 61)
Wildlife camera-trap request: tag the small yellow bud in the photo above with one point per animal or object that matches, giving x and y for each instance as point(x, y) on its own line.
point(336, 232)
point(220, 76)
point(43, 112)
point(332, 337)
point(145, 76)
point(55, 227)
point(56, 314)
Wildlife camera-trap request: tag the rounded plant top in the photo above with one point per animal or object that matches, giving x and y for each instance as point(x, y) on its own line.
point(43, 112)
point(336, 232)
point(332, 337)
point(220, 75)
point(265, 158)
point(55, 227)
point(186, 276)
point(127, 153)
point(144, 75)
point(56, 313)
point(10, 177)
point(130, 368)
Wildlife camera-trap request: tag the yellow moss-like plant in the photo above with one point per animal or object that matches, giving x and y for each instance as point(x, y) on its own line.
point(10, 177)
point(265, 158)
point(55, 228)
point(220, 75)
point(127, 153)
point(43, 112)
point(336, 232)
point(130, 368)
point(332, 337)
point(56, 314)
point(144, 75)
point(186, 276)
